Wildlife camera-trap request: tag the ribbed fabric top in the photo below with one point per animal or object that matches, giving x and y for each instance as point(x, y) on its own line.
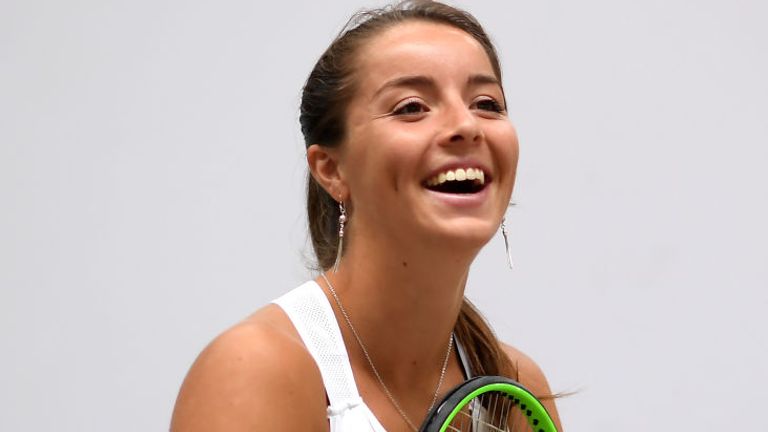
point(312, 316)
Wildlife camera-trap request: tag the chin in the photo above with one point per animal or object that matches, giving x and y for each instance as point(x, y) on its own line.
point(469, 233)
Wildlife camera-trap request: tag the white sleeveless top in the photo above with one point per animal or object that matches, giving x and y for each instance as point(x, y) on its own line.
point(312, 315)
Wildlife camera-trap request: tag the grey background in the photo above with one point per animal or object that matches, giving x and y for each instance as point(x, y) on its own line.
point(151, 180)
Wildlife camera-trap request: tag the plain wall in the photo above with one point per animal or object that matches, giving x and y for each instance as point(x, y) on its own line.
point(151, 184)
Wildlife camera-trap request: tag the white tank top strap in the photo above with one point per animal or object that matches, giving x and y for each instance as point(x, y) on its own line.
point(465, 366)
point(312, 316)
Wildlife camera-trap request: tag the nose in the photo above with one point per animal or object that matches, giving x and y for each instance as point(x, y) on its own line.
point(461, 125)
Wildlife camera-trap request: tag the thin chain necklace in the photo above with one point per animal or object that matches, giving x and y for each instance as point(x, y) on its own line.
point(376, 372)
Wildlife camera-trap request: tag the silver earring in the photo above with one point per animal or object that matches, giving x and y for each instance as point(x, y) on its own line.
point(342, 221)
point(506, 241)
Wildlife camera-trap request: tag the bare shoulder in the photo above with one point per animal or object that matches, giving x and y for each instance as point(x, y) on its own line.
point(256, 373)
point(532, 377)
point(529, 373)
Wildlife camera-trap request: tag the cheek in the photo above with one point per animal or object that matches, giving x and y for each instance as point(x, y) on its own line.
point(507, 148)
point(382, 163)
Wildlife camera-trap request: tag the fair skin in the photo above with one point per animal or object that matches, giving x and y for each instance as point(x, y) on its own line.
point(426, 102)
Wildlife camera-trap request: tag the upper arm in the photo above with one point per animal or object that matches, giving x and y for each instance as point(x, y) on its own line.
point(251, 378)
point(531, 377)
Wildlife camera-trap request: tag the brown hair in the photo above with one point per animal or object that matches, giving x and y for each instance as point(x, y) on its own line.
point(325, 97)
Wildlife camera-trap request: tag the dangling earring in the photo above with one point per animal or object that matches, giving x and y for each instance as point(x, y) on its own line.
point(342, 221)
point(505, 234)
point(506, 241)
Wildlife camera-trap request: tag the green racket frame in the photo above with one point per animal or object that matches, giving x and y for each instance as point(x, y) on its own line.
point(441, 416)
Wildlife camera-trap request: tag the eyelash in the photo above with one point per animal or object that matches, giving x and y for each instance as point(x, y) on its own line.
point(402, 109)
point(495, 106)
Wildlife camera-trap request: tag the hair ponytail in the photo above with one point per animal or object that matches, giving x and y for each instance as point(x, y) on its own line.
point(483, 350)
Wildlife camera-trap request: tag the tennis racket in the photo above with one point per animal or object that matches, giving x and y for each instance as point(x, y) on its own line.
point(488, 404)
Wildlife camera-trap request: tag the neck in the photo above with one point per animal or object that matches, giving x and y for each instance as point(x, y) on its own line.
point(403, 304)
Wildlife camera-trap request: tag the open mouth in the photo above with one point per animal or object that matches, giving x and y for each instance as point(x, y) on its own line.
point(457, 181)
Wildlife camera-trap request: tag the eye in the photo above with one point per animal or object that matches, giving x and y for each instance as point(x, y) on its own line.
point(410, 107)
point(488, 104)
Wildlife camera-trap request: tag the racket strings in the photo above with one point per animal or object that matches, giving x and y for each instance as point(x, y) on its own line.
point(494, 412)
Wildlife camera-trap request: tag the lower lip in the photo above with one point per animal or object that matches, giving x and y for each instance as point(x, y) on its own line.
point(469, 200)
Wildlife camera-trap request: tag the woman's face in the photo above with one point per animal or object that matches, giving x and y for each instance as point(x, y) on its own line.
point(429, 152)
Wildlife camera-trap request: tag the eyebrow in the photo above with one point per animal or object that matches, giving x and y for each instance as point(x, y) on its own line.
point(406, 81)
point(427, 81)
point(480, 79)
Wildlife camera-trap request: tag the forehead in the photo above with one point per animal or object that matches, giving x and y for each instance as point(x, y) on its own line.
point(421, 48)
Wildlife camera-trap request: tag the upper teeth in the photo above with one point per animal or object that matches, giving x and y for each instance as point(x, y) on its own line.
point(459, 174)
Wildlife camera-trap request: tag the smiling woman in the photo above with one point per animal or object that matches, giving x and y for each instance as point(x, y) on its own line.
point(412, 160)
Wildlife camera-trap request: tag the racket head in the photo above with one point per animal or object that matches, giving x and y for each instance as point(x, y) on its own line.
point(487, 396)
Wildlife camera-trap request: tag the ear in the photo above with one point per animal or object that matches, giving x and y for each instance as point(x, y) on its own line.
point(324, 166)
